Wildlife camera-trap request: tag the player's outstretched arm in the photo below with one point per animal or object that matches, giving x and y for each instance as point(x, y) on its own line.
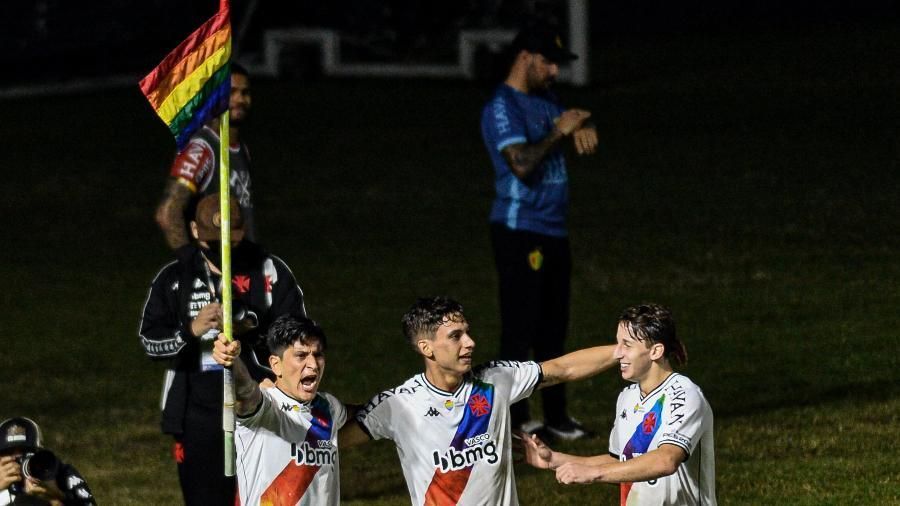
point(247, 395)
point(170, 213)
point(655, 464)
point(541, 456)
point(577, 365)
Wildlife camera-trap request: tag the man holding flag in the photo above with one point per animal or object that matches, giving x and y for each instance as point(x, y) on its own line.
point(191, 87)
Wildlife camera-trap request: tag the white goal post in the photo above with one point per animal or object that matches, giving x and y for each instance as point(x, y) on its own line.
point(328, 42)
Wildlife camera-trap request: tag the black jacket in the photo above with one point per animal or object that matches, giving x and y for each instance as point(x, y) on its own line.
point(261, 282)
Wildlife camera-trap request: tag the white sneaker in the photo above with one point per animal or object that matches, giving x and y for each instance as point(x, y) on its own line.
point(569, 430)
point(531, 426)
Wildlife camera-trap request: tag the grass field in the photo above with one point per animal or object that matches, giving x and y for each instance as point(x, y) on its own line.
point(747, 180)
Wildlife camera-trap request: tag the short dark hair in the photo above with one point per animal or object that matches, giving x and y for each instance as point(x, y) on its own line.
point(237, 68)
point(653, 323)
point(289, 328)
point(429, 313)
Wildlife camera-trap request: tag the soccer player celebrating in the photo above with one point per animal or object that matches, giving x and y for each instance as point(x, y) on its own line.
point(286, 437)
point(661, 447)
point(451, 424)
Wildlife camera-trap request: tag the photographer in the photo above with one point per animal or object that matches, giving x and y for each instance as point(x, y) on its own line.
point(182, 318)
point(29, 471)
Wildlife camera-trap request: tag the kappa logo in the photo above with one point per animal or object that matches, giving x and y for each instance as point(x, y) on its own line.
point(624, 414)
point(432, 412)
point(289, 407)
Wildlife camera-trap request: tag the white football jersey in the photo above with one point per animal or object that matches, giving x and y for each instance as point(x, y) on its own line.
point(676, 412)
point(287, 451)
point(454, 447)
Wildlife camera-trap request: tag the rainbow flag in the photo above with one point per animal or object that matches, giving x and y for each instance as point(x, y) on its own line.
point(192, 84)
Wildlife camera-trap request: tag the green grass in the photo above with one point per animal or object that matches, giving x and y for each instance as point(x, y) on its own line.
point(747, 180)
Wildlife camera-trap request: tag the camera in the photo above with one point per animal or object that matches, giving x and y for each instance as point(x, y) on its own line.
point(42, 465)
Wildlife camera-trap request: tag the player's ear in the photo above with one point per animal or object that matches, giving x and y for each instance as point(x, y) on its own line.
point(424, 346)
point(275, 364)
point(195, 233)
point(657, 351)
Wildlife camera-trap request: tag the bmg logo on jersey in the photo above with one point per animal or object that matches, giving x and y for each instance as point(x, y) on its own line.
point(479, 447)
point(306, 454)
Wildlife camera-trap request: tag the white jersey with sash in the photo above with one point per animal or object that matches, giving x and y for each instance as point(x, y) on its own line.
point(454, 447)
point(676, 413)
point(287, 451)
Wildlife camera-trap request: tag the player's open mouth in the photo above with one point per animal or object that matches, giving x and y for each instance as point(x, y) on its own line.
point(309, 382)
point(466, 358)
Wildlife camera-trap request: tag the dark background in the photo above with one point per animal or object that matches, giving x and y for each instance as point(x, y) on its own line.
point(58, 40)
point(747, 176)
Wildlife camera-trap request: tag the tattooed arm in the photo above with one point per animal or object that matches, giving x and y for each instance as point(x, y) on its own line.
point(170, 213)
point(524, 158)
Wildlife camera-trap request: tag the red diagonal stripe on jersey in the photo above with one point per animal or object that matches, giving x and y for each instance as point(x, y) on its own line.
point(289, 486)
point(624, 489)
point(446, 488)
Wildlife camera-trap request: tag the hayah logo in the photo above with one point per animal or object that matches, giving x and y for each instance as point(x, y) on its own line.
point(479, 447)
point(289, 407)
point(307, 455)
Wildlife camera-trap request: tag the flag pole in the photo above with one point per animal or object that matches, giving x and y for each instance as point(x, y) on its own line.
point(227, 327)
point(186, 90)
point(225, 220)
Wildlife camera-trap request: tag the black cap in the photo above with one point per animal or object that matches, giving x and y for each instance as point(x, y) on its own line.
point(19, 432)
point(544, 40)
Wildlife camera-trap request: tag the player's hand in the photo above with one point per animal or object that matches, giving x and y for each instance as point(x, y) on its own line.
point(585, 140)
point(225, 353)
point(46, 490)
point(209, 317)
point(572, 472)
point(535, 452)
point(571, 120)
point(10, 471)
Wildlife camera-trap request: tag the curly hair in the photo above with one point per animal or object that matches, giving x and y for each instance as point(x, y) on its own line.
point(652, 323)
point(429, 313)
